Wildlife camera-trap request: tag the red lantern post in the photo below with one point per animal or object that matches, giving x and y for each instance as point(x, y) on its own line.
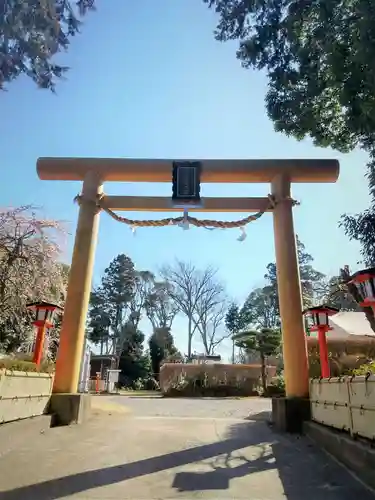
point(319, 315)
point(43, 318)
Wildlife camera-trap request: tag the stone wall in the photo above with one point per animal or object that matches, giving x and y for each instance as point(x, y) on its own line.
point(345, 403)
point(24, 394)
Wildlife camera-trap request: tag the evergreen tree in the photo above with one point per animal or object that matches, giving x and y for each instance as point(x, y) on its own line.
point(99, 322)
point(312, 281)
point(233, 323)
point(318, 59)
point(161, 345)
point(338, 295)
point(116, 308)
point(264, 341)
point(111, 304)
point(134, 363)
point(33, 32)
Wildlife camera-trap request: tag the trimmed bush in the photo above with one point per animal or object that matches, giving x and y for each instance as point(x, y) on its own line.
point(220, 391)
point(22, 365)
point(205, 381)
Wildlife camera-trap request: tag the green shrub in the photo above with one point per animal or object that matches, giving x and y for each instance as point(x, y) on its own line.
point(276, 387)
point(150, 384)
point(140, 384)
point(146, 384)
point(22, 365)
point(366, 369)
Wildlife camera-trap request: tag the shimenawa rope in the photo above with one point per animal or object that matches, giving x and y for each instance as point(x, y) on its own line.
point(187, 219)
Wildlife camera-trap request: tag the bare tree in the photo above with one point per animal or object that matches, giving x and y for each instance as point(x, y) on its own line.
point(241, 358)
point(160, 308)
point(191, 288)
point(209, 315)
point(143, 284)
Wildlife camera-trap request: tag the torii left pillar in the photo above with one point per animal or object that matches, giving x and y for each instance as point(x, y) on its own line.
point(72, 337)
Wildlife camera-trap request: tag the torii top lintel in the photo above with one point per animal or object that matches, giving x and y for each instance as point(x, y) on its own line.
point(143, 170)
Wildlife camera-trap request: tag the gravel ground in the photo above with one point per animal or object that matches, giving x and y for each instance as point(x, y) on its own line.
point(138, 448)
point(154, 406)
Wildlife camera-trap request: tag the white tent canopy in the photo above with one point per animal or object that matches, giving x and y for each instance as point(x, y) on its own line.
point(349, 324)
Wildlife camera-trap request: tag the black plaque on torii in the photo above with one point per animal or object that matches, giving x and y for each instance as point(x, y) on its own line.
point(186, 182)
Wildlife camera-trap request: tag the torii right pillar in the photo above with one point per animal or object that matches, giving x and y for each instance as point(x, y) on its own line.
point(289, 413)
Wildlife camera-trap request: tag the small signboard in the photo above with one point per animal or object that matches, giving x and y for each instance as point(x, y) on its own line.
point(186, 183)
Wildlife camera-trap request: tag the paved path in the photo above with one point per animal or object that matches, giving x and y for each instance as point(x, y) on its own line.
point(150, 448)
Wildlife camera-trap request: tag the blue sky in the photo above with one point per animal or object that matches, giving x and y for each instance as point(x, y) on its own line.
point(148, 79)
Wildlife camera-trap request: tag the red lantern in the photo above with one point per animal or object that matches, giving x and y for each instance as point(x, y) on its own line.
point(365, 282)
point(44, 316)
point(319, 316)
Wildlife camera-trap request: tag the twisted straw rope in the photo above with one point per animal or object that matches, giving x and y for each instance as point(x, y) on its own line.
point(206, 223)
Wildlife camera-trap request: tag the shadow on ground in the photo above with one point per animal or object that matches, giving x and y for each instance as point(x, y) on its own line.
point(153, 396)
point(304, 471)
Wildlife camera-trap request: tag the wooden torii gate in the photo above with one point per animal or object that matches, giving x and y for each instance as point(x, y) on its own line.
point(93, 172)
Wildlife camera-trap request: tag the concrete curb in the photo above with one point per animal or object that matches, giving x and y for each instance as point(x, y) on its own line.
point(357, 456)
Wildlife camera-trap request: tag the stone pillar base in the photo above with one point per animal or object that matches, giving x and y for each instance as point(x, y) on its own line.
point(288, 414)
point(69, 409)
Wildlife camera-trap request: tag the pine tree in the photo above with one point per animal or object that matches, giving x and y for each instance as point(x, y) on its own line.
point(265, 341)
